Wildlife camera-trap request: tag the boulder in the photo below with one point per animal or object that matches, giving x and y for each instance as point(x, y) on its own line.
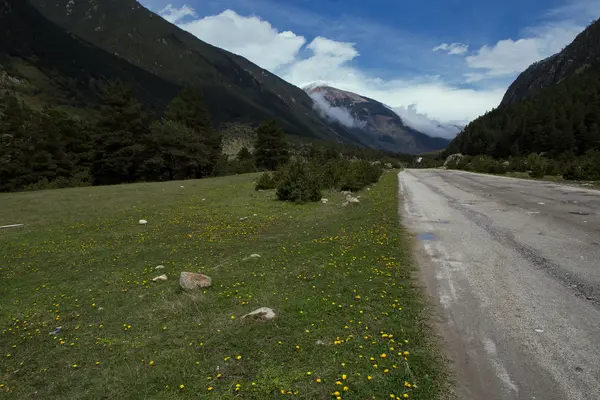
point(193, 281)
point(160, 278)
point(263, 313)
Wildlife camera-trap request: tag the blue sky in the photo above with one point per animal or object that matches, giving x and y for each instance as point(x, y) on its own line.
point(449, 60)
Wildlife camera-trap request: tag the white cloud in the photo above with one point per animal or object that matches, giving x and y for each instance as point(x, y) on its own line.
point(340, 115)
point(453, 48)
point(173, 14)
point(249, 37)
point(422, 123)
point(509, 57)
point(302, 62)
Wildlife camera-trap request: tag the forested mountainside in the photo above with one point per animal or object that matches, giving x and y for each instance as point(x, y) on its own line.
point(559, 117)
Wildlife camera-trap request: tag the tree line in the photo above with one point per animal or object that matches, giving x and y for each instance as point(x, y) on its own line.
point(49, 148)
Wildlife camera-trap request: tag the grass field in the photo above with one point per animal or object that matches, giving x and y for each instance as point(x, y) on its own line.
point(350, 318)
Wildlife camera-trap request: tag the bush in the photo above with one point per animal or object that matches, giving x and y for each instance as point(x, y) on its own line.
point(359, 174)
point(486, 164)
point(584, 168)
point(297, 184)
point(266, 181)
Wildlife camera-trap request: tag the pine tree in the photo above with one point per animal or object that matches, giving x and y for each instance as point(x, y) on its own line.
point(188, 108)
point(271, 148)
point(121, 136)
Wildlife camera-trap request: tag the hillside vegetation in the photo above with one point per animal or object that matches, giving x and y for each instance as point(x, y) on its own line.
point(350, 319)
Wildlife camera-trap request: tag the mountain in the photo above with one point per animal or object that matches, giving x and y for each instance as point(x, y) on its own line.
point(375, 124)
point(235, 89)
point(573, 59)
point(552, 108)
point(49, 65)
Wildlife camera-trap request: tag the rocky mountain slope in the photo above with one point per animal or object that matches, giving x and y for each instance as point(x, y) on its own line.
point(575, 58)
point(376, 125)
point(235, 89)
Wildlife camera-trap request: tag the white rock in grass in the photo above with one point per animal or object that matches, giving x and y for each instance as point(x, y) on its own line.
point(263, 313)
point(143, 222)
point(192, 281)
point(160, 278)
point(351, 199)
point(324, 201)
point(159, 267)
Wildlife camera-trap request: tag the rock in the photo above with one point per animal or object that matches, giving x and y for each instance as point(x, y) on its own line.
point(193, 281)
point(160, 278)
point(387, 165)
point(324, 201)
point(351, 199)
point(453, 158)
point(143, 222)
point(159, 267)
point(263, 313)
point(56, 331)
point(243, 218)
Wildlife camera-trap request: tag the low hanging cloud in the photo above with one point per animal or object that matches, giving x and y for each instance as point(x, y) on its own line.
point(422, 123)
point(453, 48)
point(340, 115)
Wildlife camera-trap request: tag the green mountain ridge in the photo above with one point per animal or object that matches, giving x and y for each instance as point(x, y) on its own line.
point(552, 108)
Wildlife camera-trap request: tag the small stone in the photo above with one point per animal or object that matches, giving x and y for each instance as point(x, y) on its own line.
point(351, 199)
point(539, 330)
point(160, 278)
point(181, 187)
point(263, 313)
point(143, 222)
point(324, 201)
point(243, 218)
point(193, 281)
point(159, 267)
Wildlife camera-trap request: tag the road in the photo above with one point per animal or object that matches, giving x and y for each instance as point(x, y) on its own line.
point(514, 267)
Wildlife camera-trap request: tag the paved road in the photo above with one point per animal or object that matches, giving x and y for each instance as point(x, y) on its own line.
point(515, 268)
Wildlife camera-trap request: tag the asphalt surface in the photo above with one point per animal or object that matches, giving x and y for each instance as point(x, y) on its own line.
point(514, 267)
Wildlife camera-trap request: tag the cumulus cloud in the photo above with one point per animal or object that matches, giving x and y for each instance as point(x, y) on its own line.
point(174, 15)
point(250, 37)
point(453, 48)
point(340, 115)
point(508, 57)
point(422, 123)
point(289, 56)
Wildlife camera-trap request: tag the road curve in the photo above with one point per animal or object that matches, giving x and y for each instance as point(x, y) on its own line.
point(514, 266)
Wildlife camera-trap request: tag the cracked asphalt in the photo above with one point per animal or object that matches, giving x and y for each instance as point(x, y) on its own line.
point(514, 268)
